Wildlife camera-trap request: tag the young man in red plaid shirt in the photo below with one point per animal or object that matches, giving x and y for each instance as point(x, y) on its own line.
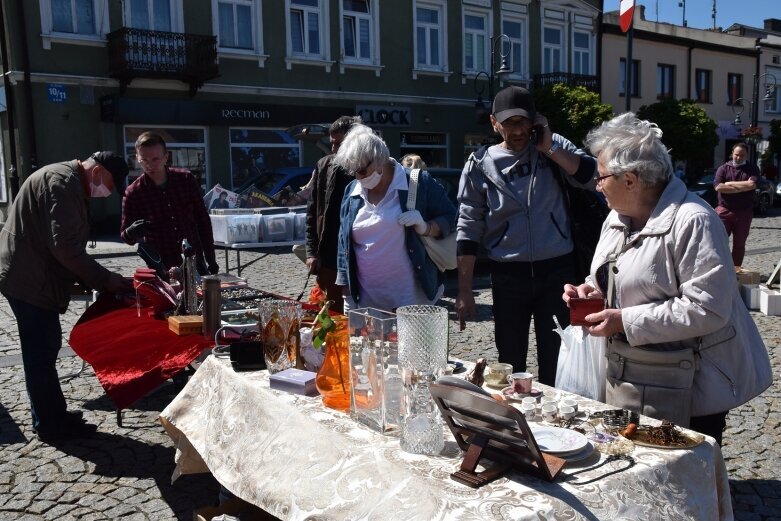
point(165, 206)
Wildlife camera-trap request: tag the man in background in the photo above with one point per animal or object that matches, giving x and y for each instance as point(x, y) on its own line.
point(42, 254)
point(735, 183)
point(511, 204)
point(322, 214)
point(165, 206)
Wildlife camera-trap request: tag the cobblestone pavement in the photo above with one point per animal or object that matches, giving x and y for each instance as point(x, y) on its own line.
point(125, 472)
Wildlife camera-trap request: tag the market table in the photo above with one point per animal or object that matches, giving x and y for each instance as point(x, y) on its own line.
point(294, 458)
point(249, 246)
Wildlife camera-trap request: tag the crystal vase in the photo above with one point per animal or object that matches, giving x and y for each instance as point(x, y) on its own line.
point(376, 381)
point(423, 333)
point(333, 378)
point(278, 324)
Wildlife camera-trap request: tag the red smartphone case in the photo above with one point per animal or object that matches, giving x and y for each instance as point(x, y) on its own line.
point(580, 307)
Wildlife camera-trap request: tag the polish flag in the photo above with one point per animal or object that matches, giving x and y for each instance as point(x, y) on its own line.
point(626, 12)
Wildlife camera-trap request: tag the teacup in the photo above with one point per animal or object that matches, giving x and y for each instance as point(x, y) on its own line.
point(569, 402)
point(567, 412)
point(530, 400)
point(529, 410)
point(548, 399)
point(496, 374)
point(549, 412)
point(521, 382)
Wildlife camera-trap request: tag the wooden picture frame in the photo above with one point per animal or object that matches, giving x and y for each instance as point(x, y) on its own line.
point(486, 428)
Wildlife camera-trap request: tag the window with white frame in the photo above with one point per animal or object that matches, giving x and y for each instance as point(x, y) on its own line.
point(74, 21)
point(429, 36)
point(238, 25)
point(154, 15)
point(358, 31)
point(552, 48)
point(515, 49)
point(774, 90)
point(581, 52)
point(306, 28)
point(476, 40)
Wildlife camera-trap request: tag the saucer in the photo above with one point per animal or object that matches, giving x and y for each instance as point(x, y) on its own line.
point(512, 396)
point(497, 385)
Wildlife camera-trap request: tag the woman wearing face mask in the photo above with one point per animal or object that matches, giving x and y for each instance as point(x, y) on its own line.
point(382, 262)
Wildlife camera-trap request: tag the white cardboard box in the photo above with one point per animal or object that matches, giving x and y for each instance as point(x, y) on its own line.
point(750, 295)
point(770, 301)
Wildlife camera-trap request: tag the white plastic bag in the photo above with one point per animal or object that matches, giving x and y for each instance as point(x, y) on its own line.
point(582, 365)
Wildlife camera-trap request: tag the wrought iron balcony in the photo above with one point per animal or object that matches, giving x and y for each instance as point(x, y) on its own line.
point(573, 80)
point(139, 53)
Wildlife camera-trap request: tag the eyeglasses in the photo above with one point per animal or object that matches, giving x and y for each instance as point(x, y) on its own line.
point(601, 178)
point(362, 172)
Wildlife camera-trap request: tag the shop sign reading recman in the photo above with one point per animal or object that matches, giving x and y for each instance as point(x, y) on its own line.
point(381, 115)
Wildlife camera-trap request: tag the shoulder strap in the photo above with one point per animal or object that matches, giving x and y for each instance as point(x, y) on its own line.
point(412, 194)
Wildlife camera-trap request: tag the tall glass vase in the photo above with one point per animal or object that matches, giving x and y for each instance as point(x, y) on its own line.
point(422, 357)
point(333, 378)
point(376, 380)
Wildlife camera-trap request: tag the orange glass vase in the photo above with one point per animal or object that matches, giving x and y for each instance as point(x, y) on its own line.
point(333, 378)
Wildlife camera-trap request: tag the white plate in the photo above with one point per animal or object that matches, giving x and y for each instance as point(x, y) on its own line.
point(587, 451)
point(558, 441)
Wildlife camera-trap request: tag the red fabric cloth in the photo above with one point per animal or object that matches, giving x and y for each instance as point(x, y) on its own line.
point(131, 355)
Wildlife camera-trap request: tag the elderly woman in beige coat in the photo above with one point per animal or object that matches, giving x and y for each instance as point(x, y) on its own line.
point(674, 287)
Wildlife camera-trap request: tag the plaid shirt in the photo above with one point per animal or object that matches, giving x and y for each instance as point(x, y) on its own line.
point(173, 213)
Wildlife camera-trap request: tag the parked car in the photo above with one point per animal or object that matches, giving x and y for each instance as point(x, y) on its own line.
point(270, 182)
point(777, 200)
point(764, 194)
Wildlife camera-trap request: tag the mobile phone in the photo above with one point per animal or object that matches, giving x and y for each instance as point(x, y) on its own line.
point(536, 132)
point(580, 307)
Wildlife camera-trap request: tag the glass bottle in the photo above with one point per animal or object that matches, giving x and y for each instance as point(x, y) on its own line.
point(333, 378)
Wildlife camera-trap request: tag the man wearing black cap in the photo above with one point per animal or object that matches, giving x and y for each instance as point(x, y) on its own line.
point(42, 254)
point(512, 205)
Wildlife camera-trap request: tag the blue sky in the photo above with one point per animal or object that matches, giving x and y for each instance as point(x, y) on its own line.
point(698, 12)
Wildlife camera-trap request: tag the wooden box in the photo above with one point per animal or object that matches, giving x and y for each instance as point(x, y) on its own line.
point(186, 324)
point(748, 277)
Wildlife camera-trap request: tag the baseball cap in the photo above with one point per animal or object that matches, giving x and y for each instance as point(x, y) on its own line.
point(116, 165)
point(513, 101)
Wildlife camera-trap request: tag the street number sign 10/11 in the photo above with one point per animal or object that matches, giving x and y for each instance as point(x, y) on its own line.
point(57, 92)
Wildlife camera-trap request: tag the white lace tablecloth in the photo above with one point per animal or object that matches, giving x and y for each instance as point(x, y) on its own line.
point(295, 458)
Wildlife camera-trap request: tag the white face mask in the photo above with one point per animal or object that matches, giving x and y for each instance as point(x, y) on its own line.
point(100, 190)
point(735, 162)
point(370, 181)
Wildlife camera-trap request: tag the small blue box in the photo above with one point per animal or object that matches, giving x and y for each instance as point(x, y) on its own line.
point(295, 381)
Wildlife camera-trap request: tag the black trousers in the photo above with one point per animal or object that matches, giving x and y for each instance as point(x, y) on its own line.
point(712, 425)
point(522, 290)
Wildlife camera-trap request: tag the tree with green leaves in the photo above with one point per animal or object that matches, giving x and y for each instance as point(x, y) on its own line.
point(689, 133)
point(571, 111)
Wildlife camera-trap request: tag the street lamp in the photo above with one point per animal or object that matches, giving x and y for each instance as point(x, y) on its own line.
point(504, 68)
point(753, 139)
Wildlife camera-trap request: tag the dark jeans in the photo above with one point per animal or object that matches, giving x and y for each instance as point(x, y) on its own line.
point(40, 336)
point(712, 425)
point(524, 289)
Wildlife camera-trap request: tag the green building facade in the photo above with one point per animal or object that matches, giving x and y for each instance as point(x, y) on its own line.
point(239, 86)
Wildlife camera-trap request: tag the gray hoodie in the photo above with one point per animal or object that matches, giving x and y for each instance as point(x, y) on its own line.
point(520, 222)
